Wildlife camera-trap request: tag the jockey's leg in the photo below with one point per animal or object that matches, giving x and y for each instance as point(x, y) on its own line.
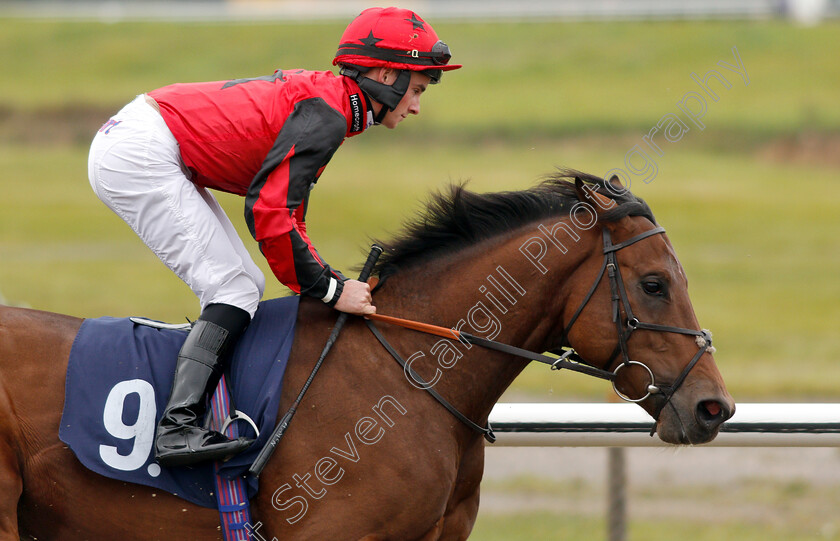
point(135, 167)
point(181, 438)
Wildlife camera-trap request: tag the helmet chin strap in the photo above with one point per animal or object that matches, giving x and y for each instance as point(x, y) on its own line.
point(388, 95)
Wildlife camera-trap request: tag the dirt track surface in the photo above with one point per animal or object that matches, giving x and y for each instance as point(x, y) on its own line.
point(679, 466)
point(786, 487)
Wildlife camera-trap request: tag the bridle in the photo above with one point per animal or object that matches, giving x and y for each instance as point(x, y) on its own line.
point(630, 323)
point(570, 359)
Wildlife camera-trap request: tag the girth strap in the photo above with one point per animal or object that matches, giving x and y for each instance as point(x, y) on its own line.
point(231, 494)
point(487, 431)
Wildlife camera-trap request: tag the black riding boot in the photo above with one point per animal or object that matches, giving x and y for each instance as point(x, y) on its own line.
point(181, 438)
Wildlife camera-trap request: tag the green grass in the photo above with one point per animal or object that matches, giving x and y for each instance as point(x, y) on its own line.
point(542, 526)
point(757, 235)
point(760, 251)
point(519, 79)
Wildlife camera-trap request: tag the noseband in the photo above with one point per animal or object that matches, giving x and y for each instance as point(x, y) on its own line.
point(630, 323)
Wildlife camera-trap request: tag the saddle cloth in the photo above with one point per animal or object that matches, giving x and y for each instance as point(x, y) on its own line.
point(118, 380)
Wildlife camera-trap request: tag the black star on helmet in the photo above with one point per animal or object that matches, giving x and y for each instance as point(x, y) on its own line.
point(370, 41)
point(417, 24)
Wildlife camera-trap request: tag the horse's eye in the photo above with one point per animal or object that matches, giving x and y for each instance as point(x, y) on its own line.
point(653, 287)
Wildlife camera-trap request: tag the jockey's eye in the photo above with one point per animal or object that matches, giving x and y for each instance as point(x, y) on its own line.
point(654, 286)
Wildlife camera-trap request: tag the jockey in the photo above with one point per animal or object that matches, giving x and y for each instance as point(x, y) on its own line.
point(267, 139)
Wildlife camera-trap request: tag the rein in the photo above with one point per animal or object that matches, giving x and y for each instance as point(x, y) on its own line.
point(487, 431)
point(555, 363)
point(624, 327)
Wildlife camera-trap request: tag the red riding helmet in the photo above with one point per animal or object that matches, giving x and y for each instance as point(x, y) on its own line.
point(394, 38)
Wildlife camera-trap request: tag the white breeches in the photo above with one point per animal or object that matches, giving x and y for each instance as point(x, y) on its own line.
point(135, 168)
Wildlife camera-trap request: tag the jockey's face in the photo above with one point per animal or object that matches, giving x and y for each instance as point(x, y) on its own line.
point(410, 103)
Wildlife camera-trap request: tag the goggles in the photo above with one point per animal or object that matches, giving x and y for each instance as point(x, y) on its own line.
point(440, 54)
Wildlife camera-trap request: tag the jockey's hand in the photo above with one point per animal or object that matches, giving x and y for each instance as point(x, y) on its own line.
point(355, 299)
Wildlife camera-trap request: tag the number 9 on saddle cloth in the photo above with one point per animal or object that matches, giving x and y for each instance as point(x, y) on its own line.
point(118, 378)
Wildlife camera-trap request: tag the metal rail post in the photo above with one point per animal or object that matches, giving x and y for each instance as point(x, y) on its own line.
point(616, 490)
point(617, 494)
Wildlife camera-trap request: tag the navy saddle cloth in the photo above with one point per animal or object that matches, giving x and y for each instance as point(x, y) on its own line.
point(118, 380)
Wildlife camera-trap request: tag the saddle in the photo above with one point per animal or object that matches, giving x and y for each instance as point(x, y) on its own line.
point(119, 375)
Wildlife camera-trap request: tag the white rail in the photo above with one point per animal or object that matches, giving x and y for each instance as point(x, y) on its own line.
point(627, 425)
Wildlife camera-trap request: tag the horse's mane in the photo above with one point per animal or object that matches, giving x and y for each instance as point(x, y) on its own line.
point(460, 218)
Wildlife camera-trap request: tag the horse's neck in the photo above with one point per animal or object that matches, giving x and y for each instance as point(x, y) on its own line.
point(492, 291)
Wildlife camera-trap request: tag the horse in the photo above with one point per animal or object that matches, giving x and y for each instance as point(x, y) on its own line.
point(370, 455)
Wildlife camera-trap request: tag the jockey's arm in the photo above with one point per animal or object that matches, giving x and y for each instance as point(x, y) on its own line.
point(275, 207)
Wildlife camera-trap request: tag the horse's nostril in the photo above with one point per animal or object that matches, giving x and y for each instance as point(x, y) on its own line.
point(712, 407)
point(711, 413)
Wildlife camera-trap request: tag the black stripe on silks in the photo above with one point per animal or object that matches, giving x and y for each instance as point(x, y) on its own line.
point(315, 131)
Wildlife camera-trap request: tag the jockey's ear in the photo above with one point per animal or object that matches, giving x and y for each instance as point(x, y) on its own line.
point(386, 76)
point(587, 194)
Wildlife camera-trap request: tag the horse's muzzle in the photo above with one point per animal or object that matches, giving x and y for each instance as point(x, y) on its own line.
point(711, 414)
point(696, 424)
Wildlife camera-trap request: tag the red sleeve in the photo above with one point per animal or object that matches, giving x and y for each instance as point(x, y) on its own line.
point(275, 203)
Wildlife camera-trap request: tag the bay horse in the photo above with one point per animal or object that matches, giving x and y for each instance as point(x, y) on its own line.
point(370, 455)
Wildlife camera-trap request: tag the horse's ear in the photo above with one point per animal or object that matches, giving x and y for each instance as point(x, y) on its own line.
point(616, 184)
point(584, 193)
point(581, 194)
